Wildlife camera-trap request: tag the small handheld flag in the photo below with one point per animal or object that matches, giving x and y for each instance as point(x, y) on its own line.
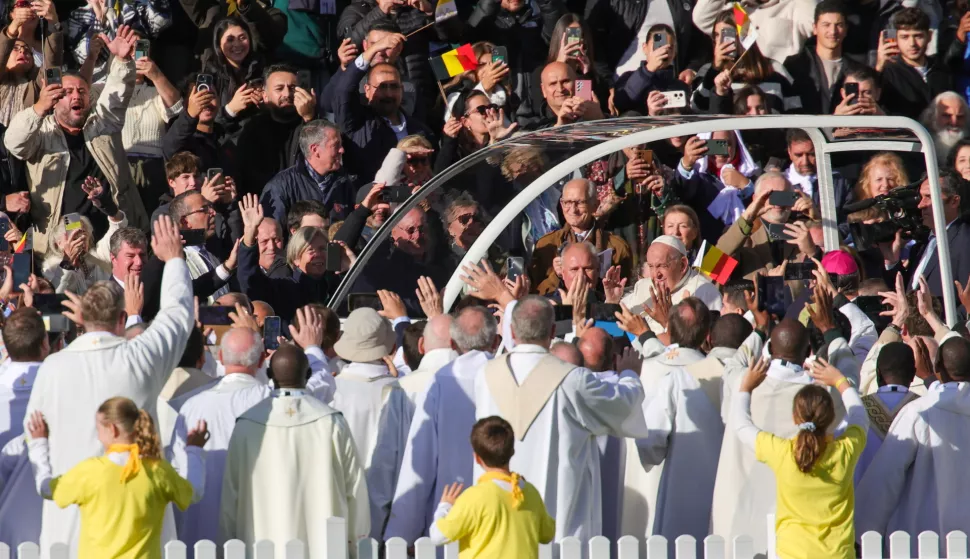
point(21, 245)
point(454, 62)
point(718, 266)
point(444, 10)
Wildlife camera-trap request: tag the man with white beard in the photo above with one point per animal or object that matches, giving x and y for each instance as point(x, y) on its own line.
point(946, 118)
point(557, 411)
point(438, 451)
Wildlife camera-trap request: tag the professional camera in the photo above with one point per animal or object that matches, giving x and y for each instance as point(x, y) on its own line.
point(902, 207)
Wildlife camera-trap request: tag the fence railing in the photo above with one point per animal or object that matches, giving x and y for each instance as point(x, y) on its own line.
point(628, 547)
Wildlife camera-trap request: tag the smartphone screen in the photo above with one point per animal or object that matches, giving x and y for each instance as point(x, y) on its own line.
point(584, 90)
point(363, 301)
point(334, 252)
point(717, 147)
point(574, 34)
point(852, 88)
point(49, 303)
point(303, 79)
point(4, 227)
point(193, 237)
point(563, 313)
point(141, 49)
point(215, 315)
point(514, 267)
point(21, 269)
point(782, 199)
point(272, 327)
point(602, 312)
point(72, 221)
point(773, 295)
point(799, 271)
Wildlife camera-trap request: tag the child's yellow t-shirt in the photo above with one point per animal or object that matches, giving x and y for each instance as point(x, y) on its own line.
point(814, 516)
point(486, 526)
point(121, 520)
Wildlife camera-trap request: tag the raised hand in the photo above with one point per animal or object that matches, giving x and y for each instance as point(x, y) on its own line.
point(662, 301)
point(305, 103)
point(199, 435)
point(451, 493)
point(820, 312)
point(629, 360)
point(123, 45)
point(632, 323)
point(37, 426)
point(429, 297)
point(251, 212)
point(73, 312)
point(167, 242)
point(825, 373)
point(754, 376)
point(243, 98)
point(613, 285)
point(18, 202)
point(392, 303)
point(346, 53)
point(242, 318)
point(134, 295)
point(310, 332)
point(486, 283)
point(897, 300)
point(198, 101)
point(497, 131)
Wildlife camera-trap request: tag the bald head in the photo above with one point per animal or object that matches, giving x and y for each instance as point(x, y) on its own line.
point(567, 352)
point(558, 83)
point(261, 310)
point(533, 321)
point(953, 363)
point(596, 345)
point(437, 334)
point(241, 351)
point(289, 367)
point(580, 259)
point(789, 341)
point(475, 329)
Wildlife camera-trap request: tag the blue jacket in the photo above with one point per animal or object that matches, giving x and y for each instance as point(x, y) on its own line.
point(289, 186)
point(371, 138)
point(284, 294)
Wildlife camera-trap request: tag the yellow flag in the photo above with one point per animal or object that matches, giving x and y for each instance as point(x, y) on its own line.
point(232, 7)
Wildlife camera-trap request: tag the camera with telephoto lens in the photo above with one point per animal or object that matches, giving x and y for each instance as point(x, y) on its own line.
point(901, 205)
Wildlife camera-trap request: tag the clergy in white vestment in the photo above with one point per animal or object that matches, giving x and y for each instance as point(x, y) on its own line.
point(72, 383)
point(435, 348)
point(895, 370)
point(185, 378)
point(374, 406)
point(596, 354)
point(20, 505)
point(744, 491)
point(291, 465)
point(438, 450)
point(680, 453)
point(557, 411)
point(667, 265)
point(917, 480)
point(27, 346)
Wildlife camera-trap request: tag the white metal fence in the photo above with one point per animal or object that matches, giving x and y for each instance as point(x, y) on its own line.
point(628, 547)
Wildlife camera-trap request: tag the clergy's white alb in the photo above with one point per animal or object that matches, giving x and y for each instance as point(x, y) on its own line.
point(559, 453)
point(438, 450)
point(20, 505)
point(72, 383)
point(291, 465)
point(16, 382)
point(379, 415)
point(692, 284)
point(417, 381)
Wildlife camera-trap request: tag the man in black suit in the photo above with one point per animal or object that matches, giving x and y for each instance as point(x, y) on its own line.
point(923, 259)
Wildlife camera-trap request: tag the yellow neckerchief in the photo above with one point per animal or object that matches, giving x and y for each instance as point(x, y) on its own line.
point(232, 7)
point(133, 465)
point(512, 479)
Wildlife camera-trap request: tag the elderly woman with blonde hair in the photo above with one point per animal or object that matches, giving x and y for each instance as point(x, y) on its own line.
point(73, 261)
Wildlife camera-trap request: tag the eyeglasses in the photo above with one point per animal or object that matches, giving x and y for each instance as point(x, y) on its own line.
point(482, 109)
point(411, 231)
point(206, 208)
point(465, 219)
point(22, 48)
point(574, 203)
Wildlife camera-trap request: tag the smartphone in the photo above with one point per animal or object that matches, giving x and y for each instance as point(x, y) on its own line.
point(852, 88)
point(49, 303)
point(773, 295)
point(72, 221)
point(514, 267)
point(602, 312)
point(659, 40)
point(52, 75)
point(782, 198)
point(334, 253)
point(303, 79)
point(584, 89)
point(872, 305)
point(215, 315)
point(718, 147)
point(395, 194)
point(563, 313)
point(889, 35)
point(4, 227)
point(210, 173)
point(500, 54)
point(574, 35)
point(645, 155)
point(799, 271)
point(364, 301)
point(141, 48)
point(256, 83)
point(205, 82)
point(56, 323)
point(193, 237)
point(272, 327)
point(21, 269)
point(776, 231)
point(729, 35)
point(675, 99)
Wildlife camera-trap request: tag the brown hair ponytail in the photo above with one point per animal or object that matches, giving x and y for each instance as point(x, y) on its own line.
point(125, 414)
point(814, 412)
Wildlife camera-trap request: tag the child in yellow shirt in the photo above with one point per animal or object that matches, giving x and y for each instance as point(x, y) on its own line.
point(813, 472)
point(502, 516)
point(122, 495)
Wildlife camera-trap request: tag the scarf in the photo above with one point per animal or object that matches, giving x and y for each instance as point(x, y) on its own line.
point(512, 479)
point(133, 465)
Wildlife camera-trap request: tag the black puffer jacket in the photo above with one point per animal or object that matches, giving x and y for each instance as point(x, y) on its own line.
point(360, 16)
point(616, 23)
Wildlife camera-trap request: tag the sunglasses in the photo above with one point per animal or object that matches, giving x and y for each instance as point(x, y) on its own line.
point(465, 219)
point(482, 109)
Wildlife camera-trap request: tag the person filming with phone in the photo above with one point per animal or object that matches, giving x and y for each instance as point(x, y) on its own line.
point(765, 236)
point(63, 149)
point(656, 73)
point(860, 94)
